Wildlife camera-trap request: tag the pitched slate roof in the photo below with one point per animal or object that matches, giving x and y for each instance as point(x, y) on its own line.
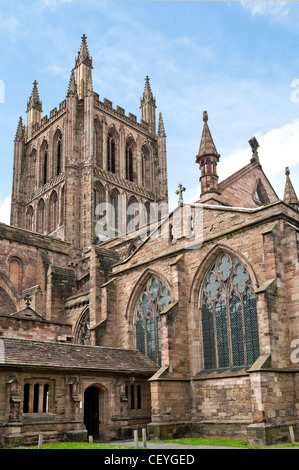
point(63, 356)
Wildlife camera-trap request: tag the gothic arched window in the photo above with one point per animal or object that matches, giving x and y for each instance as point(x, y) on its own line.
point(97, 144)
point(111, 153)
point(129, 162)
point(59, 147)
point(229, 315)
point(154, 298)
point(41, 216)
point(82, 334)
point(53, 219)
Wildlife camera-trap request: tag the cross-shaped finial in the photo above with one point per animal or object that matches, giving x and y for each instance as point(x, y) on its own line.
point(28, 300)
point(179, 192)
point(254, 146)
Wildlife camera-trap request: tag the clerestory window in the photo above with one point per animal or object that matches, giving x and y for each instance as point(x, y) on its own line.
point(229, 316)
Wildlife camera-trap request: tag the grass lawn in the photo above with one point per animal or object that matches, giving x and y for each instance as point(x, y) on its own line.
point(242, 443)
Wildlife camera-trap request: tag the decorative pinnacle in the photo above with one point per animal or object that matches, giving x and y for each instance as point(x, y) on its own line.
point(20, 130)
point(161, 128)
point(72, 89)
point(34, 100)
point(205, 116)
point(83, 54)
point(287, 171)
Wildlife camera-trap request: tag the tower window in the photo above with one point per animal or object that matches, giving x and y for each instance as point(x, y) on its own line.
point(129, 163)
point(110, 153)
point(45, 173)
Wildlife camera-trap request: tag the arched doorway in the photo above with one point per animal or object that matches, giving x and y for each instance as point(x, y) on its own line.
point(91, 411)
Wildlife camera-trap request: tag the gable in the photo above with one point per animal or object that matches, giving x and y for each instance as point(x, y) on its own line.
point(248, 187)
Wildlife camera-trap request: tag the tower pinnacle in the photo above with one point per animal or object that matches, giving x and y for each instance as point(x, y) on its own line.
point(207, 159)
point(148, 107)
point(34, 100)
point(290, 196)
point(83, 68)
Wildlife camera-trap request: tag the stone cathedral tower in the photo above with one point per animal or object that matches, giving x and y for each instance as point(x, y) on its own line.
point(87, 162)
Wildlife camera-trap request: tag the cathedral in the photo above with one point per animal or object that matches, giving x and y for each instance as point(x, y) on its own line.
point(118, 315)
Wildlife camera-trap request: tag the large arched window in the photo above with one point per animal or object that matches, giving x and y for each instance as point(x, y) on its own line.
point(154, 298)
point(228, 315)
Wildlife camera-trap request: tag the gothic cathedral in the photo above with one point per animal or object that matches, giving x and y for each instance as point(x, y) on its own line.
point(117, 315)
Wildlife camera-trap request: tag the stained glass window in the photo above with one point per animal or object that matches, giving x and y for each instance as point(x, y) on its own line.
point(154, 298)
point(228, 316)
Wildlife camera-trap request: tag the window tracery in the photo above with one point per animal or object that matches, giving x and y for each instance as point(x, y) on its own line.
point(229, 315)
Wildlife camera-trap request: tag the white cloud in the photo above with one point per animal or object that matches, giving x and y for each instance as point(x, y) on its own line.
point(9, 25)
point(5, 210)
point(266, 8)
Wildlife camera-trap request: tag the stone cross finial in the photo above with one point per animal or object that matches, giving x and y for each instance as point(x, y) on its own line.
point(254, 146)
point(179, 192)
point(28, 300)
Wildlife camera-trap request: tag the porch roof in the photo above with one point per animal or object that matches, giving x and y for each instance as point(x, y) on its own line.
point(41, 354)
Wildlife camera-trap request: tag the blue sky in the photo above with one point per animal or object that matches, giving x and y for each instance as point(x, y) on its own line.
point(239, 60)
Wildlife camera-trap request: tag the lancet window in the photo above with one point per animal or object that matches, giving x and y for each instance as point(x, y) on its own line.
point(154, 298)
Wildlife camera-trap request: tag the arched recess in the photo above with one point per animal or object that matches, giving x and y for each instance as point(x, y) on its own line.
point(44, 163)
point(57, 161)
point(97, 143)
point(30, 218)
point(130, 151)
point(62, 206)
point(114, 214)
point(146, 168)
point(132, 213)
point(82, 328)
point(31, 169)
point(9, 295)
point(16, 271)
point(99, 199)
point(53, 212)
point(41, 217)
point(112, 149)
